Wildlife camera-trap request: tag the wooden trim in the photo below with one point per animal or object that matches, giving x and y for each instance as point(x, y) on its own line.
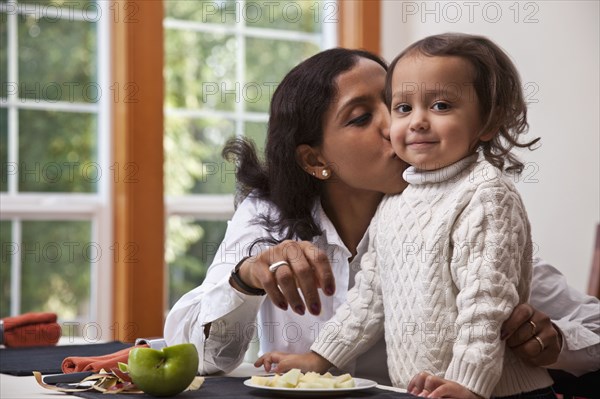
point(137, 90)
point(360, 24)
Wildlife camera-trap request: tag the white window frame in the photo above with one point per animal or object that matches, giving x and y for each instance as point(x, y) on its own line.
point(93, 207)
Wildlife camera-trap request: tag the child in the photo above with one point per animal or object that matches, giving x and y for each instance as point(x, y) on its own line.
point(450, 257)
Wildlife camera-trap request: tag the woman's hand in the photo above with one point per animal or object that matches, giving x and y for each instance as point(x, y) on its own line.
point(521, 329)
point(430, 386)
point(307, 268)
point(310, 361)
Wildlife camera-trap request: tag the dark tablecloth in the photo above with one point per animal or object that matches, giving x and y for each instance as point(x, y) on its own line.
point(47, 359)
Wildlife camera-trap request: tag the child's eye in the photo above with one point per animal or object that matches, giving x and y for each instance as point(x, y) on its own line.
point(360, 120)
point(440, 106)
point(402, 108)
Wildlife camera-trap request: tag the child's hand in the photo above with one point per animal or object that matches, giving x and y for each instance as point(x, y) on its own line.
point(286, 361)
point(430, 386)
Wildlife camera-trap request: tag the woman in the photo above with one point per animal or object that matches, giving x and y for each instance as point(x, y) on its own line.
point(328, 164)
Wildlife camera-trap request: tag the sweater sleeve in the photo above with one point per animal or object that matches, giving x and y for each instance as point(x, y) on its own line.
point(491, 268)
point(358, 323)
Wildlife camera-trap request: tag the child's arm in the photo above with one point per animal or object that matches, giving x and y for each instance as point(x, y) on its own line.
point(427, 385)
point(309, 361)
point(358, 323)
point(491, 267)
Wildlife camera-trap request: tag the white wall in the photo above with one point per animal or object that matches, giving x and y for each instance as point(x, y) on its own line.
point(557, 54)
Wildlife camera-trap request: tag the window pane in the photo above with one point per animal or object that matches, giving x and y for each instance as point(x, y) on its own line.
point(55, 270)
point(267, 62)
point(205, 11)
point(3, 54)
point(258, 133)
point(8, 247)
point(302, 16)
point(200, 70)
point(57, 60)
point(87, 5)
point(193, 162)
point(57, 152)
point(4, 149)
point(191, 247)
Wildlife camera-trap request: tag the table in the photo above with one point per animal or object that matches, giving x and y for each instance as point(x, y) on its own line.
point(12, 387)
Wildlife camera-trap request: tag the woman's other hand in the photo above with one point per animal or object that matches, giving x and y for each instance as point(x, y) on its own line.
point(283, 362)
point(430, 386)
point(302, 265)
point(532, 336)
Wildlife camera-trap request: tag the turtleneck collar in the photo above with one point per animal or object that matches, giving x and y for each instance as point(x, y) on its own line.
point(413, 175)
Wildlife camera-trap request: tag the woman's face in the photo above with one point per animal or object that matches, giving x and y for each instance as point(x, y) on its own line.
point(356, 142)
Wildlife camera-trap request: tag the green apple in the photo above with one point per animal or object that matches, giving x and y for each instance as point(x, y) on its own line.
point(164, 372)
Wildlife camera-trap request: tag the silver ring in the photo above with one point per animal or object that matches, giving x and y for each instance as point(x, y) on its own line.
point(273, 267)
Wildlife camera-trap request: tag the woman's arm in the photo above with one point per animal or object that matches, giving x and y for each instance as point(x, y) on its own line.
point(567, 321)
point(576, 315)
point(212, 315)
point(219, 316)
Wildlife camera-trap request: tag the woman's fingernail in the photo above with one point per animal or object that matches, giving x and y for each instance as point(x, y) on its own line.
point(299, 309)
point(315, 308)
point(329, 290)
point(283, 305)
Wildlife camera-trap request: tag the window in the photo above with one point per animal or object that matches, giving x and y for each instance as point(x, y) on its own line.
point(54, 182)
point(223, 60)
point(75, 233)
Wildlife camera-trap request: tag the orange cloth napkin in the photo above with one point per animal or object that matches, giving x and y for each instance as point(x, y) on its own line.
point(75, 364)
point(31, 329)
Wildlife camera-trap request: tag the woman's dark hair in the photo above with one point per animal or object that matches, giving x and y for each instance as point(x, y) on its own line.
point(297, 112)
point(498, 87)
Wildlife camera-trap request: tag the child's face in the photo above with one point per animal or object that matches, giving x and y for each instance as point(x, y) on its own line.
point(435, 111)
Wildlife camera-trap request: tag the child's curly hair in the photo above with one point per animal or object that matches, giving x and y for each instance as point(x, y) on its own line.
point(498, 87)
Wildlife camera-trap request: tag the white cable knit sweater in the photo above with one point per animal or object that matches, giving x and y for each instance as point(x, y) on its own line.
point(448, 260)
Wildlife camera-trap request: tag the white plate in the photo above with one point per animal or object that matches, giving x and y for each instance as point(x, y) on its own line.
point(360, 384)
